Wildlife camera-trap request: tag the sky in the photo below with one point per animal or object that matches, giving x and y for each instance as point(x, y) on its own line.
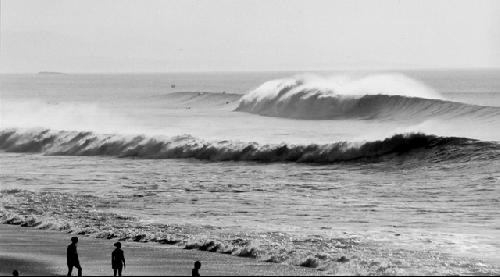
point(247, 35)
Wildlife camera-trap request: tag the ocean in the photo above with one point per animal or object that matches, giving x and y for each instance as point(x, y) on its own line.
point(397, 171)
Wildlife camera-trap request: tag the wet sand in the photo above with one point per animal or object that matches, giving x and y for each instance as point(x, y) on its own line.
point(41, 252)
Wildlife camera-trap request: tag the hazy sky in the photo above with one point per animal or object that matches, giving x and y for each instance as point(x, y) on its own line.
point(180, 35)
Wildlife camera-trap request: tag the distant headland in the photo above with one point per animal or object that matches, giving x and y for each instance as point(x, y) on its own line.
point(50, 73)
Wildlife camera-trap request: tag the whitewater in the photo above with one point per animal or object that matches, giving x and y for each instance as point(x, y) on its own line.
point(396, 171)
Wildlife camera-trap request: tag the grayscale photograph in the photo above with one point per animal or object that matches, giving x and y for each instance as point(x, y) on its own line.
point(249, 137)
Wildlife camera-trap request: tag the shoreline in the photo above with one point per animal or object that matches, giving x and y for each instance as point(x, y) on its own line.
point(43, 252)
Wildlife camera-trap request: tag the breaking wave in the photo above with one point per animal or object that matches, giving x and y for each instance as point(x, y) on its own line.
point(390, 97)
point(75, 143)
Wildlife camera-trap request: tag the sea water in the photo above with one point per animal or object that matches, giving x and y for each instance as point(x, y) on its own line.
point(396, 171)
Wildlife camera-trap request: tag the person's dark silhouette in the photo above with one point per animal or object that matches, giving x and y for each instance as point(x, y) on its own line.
point(117, 259)
point(72, 257)
point(196, 269)
point(15, 273)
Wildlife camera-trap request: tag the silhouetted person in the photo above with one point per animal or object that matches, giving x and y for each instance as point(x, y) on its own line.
point(196, 269)
point(117, 259)
point(15, 273)
point(72, 257)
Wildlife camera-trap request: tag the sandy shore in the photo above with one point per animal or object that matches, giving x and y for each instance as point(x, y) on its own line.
point(41, 252)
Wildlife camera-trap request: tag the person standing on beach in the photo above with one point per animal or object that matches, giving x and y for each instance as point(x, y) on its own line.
point(195, 272)
point(72, 257)
point(117, 259)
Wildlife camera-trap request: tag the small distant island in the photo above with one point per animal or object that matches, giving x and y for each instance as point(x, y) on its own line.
point(50, 73)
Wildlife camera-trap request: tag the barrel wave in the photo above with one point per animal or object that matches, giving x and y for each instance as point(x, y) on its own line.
point(385, 97)
point(75, 143)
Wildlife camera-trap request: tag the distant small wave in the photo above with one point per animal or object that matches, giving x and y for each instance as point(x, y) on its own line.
point(181, 147)
point(197, 99)
point(384, 97)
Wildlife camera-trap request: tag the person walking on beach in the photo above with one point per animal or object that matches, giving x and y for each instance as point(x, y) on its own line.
point(117, 259)
point(72, 257)
point(196, 270)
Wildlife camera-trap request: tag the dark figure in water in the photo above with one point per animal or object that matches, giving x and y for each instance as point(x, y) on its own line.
point(343, 259)
point(72, 257)
point(196, 269)
point(15, 273)
point(117, 259)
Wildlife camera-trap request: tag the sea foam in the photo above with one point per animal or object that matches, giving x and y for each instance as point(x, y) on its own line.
point(67, 143)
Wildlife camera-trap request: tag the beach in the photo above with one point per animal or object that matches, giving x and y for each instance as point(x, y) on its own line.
point(42, 252)
point(243, 138)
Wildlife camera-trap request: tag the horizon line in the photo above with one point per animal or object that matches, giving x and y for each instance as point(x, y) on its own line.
point(55, 72)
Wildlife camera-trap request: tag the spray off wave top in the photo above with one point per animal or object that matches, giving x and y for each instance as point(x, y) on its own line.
point(387, 96)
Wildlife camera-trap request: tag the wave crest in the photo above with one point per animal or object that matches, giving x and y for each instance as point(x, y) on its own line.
point(181, 147)
point(392, 97)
